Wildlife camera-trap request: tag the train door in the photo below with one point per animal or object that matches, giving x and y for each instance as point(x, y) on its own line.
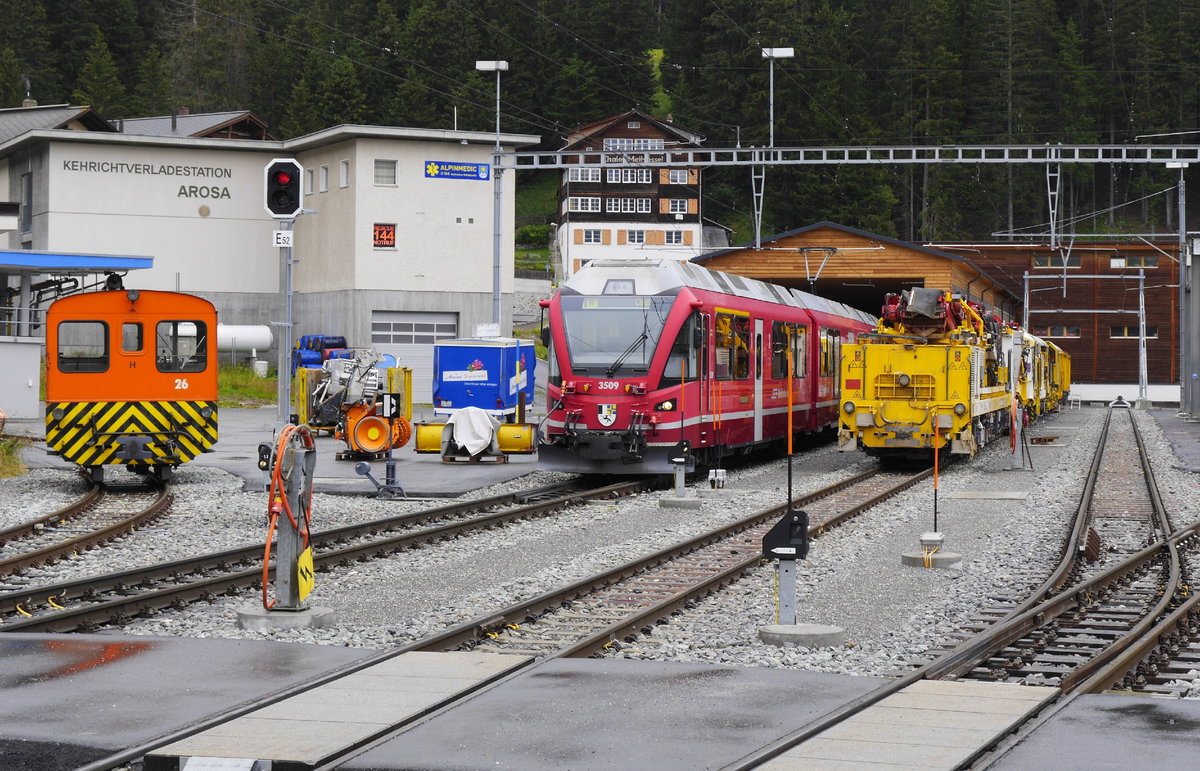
point(758, 379)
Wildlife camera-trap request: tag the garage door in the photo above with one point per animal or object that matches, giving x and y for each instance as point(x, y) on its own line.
point(409, 337)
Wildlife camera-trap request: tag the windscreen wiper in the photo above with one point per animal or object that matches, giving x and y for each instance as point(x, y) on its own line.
point(643, 337)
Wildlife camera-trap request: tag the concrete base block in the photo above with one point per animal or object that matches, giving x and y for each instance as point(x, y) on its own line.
point(258, 619)
point(722, 492)
point(671, 502)
point(803, 635)
point(941, 559)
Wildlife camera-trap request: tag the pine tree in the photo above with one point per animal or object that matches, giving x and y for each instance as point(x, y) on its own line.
point(338, 96)
point(99, 85)
point(153, 95)
point(27, 33)
point(12, 85)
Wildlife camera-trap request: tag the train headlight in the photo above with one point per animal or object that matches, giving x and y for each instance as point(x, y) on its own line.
point(58, 413)
point(903, 379)
point(848, 407)
point(206, 412)
point(667, 406)
point(960, 409)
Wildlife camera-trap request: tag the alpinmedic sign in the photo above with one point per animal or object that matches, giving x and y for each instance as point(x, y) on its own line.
point(457, 170)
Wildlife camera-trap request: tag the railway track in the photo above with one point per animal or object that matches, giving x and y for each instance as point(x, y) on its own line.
point(1131, 623)
point(597, 612)
point(92, 602)
point(1118, 514)
point(100, 515)
point(1164, 660)
point(1086, 612)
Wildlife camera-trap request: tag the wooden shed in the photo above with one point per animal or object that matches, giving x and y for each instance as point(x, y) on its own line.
point(859, 268)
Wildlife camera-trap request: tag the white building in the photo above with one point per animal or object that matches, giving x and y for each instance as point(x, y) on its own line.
point(399, 251)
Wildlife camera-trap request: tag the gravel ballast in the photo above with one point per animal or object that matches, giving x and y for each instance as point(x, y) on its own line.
point(853, 577)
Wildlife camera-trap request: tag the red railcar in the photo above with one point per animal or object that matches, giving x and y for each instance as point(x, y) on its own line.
point(646, 355)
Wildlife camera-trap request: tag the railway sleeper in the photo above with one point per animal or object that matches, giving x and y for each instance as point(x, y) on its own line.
point(1045, 671)
point(1093, 629)
point(510, 651)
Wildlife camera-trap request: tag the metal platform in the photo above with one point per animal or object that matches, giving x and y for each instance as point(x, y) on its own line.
point(67, 701)
point(1110, 731)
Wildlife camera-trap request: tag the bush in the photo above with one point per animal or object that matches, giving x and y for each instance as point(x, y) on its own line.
point(534, 236)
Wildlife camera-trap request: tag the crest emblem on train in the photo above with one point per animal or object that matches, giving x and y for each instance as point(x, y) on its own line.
point(606, 414)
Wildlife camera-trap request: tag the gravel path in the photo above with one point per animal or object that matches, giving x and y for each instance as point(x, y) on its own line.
point(853, 577)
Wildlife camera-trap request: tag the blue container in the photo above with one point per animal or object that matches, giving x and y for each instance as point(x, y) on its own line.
point(303, 358)
point(486, 373)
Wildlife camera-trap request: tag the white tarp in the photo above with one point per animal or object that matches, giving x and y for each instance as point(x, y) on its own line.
point(472, 429)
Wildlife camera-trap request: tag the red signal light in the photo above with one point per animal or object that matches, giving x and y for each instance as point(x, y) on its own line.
point(284, 198)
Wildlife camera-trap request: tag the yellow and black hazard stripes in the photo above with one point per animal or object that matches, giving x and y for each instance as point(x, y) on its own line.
point(102, 433)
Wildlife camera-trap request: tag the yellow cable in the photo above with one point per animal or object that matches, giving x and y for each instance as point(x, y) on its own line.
point(22, 611)
point(53, 604)
point(777, 595)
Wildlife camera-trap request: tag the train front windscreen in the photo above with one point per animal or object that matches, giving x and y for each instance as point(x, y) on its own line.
point(613, 335)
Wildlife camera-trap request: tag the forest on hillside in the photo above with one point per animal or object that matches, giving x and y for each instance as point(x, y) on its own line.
point(891, 72)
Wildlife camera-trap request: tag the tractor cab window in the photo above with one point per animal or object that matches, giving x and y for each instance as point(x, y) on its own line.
point(732, 346)
point(686, 360)
point(131, 337)
point(181, 346)
point(82, 346)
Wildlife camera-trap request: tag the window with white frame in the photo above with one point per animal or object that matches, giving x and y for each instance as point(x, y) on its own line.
point(344, 174)
point(323, 178)
point(1135, 261)
point(619, 144)
point(583, 203)
point(591, 236)
point(637, 237)
point(308, 181)
point(634, 124)
point(679, 206)
point(1057, 331)
point(1132, 331)
point(630, 176)
point(1056, 261)
point(678, 176)
point(385, 172)
point(628, 205)
point(583, 175)
point(674, 237)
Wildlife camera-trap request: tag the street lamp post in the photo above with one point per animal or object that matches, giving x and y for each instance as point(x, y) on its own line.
point(772, 54)
point(759, 172)
point(497, 189)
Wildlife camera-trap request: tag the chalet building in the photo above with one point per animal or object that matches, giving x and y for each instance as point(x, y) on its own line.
point(636, 210)
point(1093, 317)
point(1084, 297)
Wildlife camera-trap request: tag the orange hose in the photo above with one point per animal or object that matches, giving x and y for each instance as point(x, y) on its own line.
point(279, 502)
